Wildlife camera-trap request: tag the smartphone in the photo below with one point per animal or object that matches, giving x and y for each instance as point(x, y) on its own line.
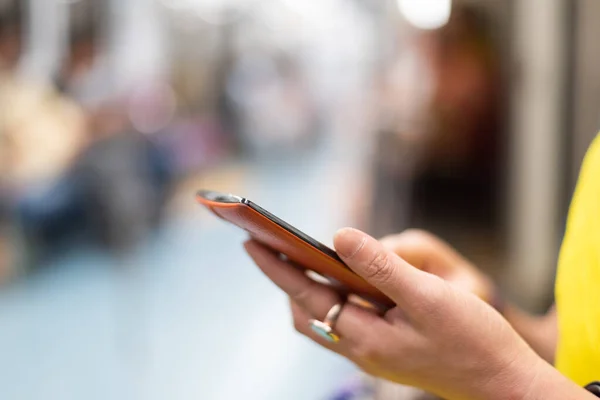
point(283, 238)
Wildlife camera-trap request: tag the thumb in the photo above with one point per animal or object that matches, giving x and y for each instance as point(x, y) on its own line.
point(397, 279)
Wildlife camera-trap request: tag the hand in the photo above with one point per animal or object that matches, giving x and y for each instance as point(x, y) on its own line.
point(430, 254)
point(439, 338)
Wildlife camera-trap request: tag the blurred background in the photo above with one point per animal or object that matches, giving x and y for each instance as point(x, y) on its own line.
point(466, 118)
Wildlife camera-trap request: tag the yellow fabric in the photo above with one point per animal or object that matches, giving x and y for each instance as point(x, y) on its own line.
point(578, 280)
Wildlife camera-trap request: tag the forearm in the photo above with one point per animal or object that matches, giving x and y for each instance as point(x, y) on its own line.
point(540, 332)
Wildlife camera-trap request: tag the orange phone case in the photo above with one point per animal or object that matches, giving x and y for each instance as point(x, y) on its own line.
point(279, 236)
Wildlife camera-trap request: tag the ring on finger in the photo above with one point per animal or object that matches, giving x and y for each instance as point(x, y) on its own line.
point(326, 328)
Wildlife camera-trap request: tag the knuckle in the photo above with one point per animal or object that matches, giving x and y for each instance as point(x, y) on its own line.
point(299, 326)
point(297, 318)
point(301, 295)
point(408, 241)
point(414, 232)
point(379, 268)
point(415, 236)
point(390, 240)
point(367, 351)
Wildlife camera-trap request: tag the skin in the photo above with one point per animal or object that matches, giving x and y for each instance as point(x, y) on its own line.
point(442, 337)
point(428, 253)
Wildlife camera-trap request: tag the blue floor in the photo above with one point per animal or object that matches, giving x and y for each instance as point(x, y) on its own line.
point(185, 317)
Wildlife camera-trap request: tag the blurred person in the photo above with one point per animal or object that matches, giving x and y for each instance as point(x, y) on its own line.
point(85, 75)
point(10, 45)
point(79, 61)
point(41, 132)
point(73, 166)
point(130, 178)
point(112, 194)
point(124, 175)
point(443, 109)
point(451, 334)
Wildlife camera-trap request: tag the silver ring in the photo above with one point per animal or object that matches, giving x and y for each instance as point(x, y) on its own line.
point(325, 329)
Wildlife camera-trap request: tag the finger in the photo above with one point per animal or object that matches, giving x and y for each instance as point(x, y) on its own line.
point(366, 347)
point(302, 325)
point(400, 281)
point(313, 297)
point(428, 253)
point(423, 250)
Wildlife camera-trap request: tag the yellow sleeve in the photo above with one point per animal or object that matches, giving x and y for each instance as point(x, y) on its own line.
point(578, 278)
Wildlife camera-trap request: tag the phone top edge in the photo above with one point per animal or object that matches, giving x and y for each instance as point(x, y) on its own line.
point(220, 197)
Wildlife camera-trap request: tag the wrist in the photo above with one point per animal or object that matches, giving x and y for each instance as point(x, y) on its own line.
point(520, 380)
point(536, 380)
point(517, 372)
point(534, 383)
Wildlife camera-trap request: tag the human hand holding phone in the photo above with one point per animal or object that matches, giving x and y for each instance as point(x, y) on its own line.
point(438, 337)
point(434, 335)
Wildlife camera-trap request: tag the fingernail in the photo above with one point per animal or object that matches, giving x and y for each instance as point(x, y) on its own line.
point(349, 241)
